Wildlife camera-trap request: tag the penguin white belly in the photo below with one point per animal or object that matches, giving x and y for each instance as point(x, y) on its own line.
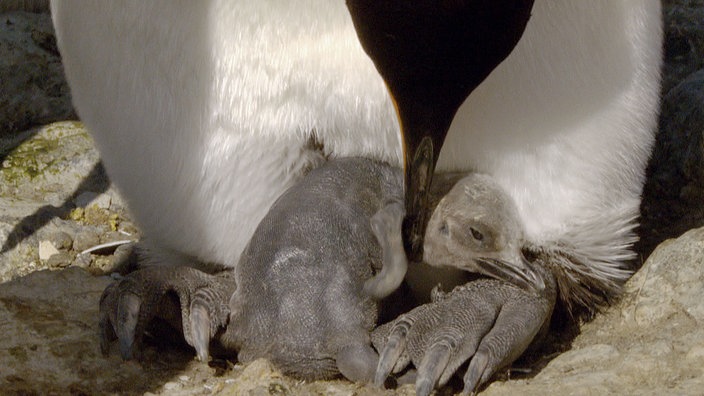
point(203, 110)
point(565, 124)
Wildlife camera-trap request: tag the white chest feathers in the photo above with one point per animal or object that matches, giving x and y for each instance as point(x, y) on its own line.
point(203, 111)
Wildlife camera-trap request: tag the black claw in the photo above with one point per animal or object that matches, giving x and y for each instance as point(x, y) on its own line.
point(476, 371)
point(395, 345)
point(389, 356)
point(127, 318)
point(200, 328)
point(424, 386)
point(107, 334)
point(433, 364)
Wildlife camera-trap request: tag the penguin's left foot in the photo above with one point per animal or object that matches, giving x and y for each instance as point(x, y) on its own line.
point(487, 322)
point(191, 300)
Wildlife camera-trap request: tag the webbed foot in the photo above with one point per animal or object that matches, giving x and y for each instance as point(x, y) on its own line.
point(196, 301)
point(487, 322)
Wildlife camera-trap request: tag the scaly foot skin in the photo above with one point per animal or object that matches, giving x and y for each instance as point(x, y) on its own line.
point(487, 322)
point(128, 305)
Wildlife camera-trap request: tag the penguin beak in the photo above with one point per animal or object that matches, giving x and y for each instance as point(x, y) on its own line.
point(423, 134)
point(519, 271)
point(419, 164)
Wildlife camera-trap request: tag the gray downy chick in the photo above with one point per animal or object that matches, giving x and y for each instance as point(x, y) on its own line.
point(301, 299)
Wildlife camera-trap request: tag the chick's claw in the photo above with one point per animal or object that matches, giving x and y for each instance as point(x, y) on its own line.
point(487, 322)
point(192, 301)
point(393, 357)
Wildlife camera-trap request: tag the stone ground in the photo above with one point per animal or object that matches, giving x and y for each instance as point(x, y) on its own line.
point(63, 228)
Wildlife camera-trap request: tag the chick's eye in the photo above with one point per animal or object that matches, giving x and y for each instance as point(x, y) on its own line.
point(476, 234)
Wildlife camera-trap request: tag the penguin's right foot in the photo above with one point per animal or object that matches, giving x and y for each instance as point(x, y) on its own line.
point(487, 322)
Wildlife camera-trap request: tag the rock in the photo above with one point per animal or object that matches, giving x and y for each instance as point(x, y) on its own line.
point(86, 239)
point(84, 261)
point(49, 346)
point(61, 240)
point(675, 185)
point(42, 174)
point(97, 216)
point(60, 260)
point(650, 342)
point(86, 198)
point(684, 40)
point(47, 165)
point(24, 5)
point(46, 250)
point(113, 237)
point(645, 344)
point(33, 89)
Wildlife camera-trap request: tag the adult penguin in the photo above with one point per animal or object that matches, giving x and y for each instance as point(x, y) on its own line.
point(204, 112)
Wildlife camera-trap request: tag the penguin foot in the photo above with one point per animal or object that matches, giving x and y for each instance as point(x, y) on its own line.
point(192, 301)
point(487, 322)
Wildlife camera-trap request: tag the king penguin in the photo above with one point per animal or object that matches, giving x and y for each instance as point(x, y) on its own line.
point(205, 112)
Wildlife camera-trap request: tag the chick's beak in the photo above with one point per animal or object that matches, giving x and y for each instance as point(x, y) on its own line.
point(518, 271)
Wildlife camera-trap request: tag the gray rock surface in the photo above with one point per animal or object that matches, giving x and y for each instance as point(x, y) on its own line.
point(34, 90)
point(56, 201)
point(650, 343)
point(24, 5)
point(675, 182)
point(675, 189)
point(684, 40)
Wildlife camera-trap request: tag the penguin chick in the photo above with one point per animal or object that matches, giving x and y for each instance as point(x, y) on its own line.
point(300, 300)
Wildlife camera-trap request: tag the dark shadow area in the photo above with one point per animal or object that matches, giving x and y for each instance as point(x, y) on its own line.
point(160, 363)
point(96, 181)
point(674, 188)
point(33, 90)
point(15, 141)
